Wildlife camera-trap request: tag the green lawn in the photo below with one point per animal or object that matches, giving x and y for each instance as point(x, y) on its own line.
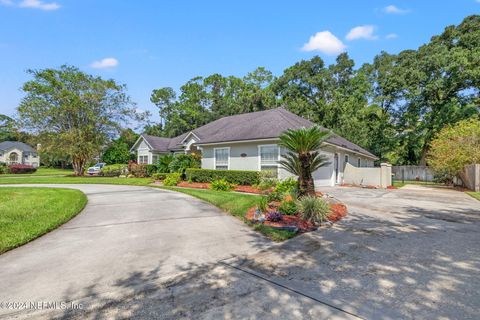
point(475, 195)
point(27, 213)
point(22, 179)
point(236, 204)
point(399, 184)
point(42, 171)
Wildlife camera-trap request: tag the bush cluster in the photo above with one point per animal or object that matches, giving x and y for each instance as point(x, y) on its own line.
point(240, 177)
point(288, 207)
point(159, 175)
point(21, 168)
point(221, 185)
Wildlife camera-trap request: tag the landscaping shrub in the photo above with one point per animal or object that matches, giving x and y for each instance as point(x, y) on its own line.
point(138, 170)
point(182, 162)
point(288, 207)
point(266, 181)
point(3, 169)
point(114, 170)
point(313, 209)
point(233, 176)
point(287, 186)
point(21, 169)
point(275, 196)
point(159, 175)
point(274, 216)
point(221, 185)
point(172, 179)
point(262, 204)
point(150, 169)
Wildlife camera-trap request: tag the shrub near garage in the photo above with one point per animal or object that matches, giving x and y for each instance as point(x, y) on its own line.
point(241, 177)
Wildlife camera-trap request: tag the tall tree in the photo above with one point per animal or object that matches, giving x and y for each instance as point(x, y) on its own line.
point(74, 112)
point(7, 131)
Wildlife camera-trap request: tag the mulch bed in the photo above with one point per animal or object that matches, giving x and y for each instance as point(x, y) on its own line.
point(196, 185)
point(201, 185)
point(287, 221)
point(339, 211)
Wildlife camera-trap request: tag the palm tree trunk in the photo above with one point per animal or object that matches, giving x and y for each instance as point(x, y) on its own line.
point(305, 181)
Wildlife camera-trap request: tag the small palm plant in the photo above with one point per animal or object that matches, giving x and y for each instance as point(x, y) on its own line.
point(303, 156)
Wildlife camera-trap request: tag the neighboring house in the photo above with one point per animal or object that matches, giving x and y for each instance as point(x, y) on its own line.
point(13, 152)
point(249, 142)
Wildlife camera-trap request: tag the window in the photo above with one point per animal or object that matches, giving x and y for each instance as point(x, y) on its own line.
point(269, 158)
point(221, 158)
point(346, 159)
point(143, 159)
point(359, 162)
point(154, 159)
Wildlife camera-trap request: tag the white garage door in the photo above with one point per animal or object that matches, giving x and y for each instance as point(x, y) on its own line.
point(324, 176)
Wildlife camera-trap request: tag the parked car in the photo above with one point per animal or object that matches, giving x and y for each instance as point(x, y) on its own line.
point(96, 170)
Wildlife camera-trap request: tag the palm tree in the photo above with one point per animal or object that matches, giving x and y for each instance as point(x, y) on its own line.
point(303, 156)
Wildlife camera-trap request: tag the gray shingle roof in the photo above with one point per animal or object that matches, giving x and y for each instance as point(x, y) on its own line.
point(5, 145)
point(249, 126)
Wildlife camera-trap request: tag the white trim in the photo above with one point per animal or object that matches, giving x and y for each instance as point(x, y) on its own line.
point(136, 142)
point(190, 133)
point(259, 157)
point(215, 158)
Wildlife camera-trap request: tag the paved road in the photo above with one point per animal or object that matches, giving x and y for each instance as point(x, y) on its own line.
point(142, 253)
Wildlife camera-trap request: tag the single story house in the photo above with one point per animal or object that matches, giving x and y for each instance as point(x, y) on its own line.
point(15, 152)
point(249, 141)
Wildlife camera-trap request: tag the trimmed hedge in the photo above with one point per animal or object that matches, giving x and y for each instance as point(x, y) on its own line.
point(114, 170)
point(242, 177)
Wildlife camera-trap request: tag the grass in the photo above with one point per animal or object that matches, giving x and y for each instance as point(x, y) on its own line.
point(399, 184)
point(27, 213)
point(236, 204)
point(74, 180)
point(42, 171)
point(474, 194)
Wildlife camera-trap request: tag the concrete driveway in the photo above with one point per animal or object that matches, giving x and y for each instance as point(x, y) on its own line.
point(408, 253)
point(123, 235)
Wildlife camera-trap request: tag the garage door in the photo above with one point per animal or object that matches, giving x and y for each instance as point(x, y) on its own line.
point(324, 176)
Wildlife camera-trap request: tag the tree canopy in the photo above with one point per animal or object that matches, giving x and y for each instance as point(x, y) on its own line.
point(456, 146)
point(74, 113)
point(393, 106)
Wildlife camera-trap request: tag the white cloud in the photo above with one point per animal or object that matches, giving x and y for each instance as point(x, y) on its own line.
point(106, 63)
point(395, 10)
point(362, 32)
point(32, 4)
point(325, 42)
point(6, 2)
point(392, 35)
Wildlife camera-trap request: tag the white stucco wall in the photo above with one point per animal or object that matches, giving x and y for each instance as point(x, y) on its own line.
point(325, 176)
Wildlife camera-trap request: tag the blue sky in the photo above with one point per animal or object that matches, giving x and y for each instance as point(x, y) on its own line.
point(152, 44)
